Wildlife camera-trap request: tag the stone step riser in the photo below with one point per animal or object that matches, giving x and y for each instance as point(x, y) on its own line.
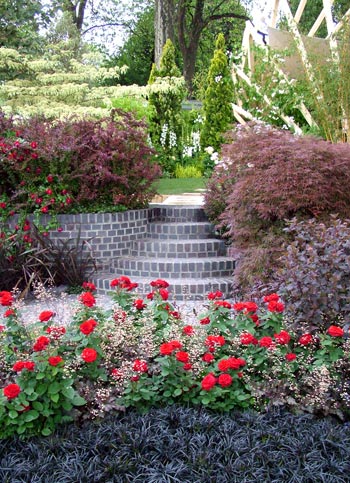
point(177, 214)
point(182, 249)
point(181, 231)
point(191, 268)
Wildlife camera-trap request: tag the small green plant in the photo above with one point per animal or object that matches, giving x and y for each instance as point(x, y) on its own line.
point(188, 171)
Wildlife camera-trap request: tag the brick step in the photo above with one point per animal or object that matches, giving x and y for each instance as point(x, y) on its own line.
point(176, 213)
point(179, 289)
point(199, 248)
point(181, 231)
point(176, 268)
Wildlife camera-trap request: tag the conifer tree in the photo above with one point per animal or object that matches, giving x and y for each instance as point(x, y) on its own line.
point(218, 98)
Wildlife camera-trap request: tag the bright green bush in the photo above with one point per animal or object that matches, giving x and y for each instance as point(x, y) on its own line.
point(218, 98)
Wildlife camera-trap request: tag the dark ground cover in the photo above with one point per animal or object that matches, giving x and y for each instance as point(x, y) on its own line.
point(183, 445)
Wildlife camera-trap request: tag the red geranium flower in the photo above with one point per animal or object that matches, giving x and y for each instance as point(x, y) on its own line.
point(88, 326)
point(116, 373)
point(213, 340)
point(225, 380)
point(89, 286)
point(55, 360)
point(335, 331)
point(188, 330)
point(274, 306)
point(11, 391)
point(139, 304)
point(205, 321)
point(266, 342)
point(2, 328)
point(306, 339)
point(182, 356)
point(56, 332)
point(89, 355)
point(168, 348)
point(215, 295)
point(208, 382)
point(9, 313)
point(20, 365)
point(271, 298)
point(187, 366)
point(247, 307)
point(282, 338)
point(41, 343)
point(208, 357)
point(46, 315)
point(222, 303)
point(159, 283)
point(291, 357)
point(140, 366)
point(6, 298)
point(164, 293)
point(87, 299)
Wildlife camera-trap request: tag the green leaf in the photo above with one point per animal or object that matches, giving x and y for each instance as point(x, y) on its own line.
point(55, 397)
point(31, 415)
point(40, 375)
point(68, 392)
point(46, 431)
point(205, 400)
point(37, 405)
point(54, 388)
point(13, 414)
point(29, 390)
point(78, 401)
point(177, 392)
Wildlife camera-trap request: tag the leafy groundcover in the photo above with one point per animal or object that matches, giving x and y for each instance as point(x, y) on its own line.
point(181, 445)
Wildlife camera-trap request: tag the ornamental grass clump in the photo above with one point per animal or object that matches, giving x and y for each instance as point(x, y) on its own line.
point(141, 354)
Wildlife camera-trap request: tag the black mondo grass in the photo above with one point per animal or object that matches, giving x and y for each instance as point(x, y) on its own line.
point(185, 445)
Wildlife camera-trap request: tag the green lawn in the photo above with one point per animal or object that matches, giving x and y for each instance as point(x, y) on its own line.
point(175, 186)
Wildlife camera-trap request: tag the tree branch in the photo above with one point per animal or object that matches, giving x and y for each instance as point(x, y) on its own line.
point(113, 24)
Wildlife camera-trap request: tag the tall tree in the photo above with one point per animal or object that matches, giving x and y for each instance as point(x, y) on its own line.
point(191, 19)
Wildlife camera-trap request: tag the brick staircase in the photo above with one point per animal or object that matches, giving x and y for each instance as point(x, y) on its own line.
point(180, 247)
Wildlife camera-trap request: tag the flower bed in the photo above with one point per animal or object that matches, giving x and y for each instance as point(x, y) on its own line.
point(140, 354)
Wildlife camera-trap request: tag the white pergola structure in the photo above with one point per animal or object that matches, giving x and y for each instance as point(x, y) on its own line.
point(279, 39)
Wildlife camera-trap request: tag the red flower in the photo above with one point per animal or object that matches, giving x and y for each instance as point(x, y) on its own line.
point(139, 304)
point(271, 298)
point(46, 315)
point(274, 306)
point(306, 339)
point(135, 378)
point(208, 357)
point(41, 343)
point(56, 332)
point(291, 357)
point(164, 293)
point(159, 283)
point(254, 318)
point(266, 342)
point(89, 286)
point(225, 380)
point(168, 348)
point(87, 299)
point(231, 363)
point(245, 306)
point(188, 330)
point(205, 321)
point(9, 312)
point(247, 338)
point(20, 365)
point(88, 326)
point(213, 340)
point(124, 283)
point(49, 179)
point(282, 338)
point(55, 360)
point(44, 209)
point(215, 295)
point(150, 296)
point(140, 366)
point(208, 382)
point(224, 365)
point(33, 145)
point(6, 299)
point(2, 328)
point(335, 331)
point(11, 391)
point(187, 366)
point(89, 355)
point(222, 303)
point(116, 373)
point(182, 356)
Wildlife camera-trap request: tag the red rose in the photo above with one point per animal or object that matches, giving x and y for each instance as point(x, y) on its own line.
point(140, 366)
point(225, 380)
point(87, 299)
point(6, 298)
point(164, 293)
point(274, 306)
point(159, 283)
point(224, 365)
point(89, 286)
point(282, 338)
point(215, 295)
point(46, 315)
point(9, 313)
point(239, 306)
point(254, 318)
point(271, 298)
point(306, 339)
point(18, 366)
point(139, 304)
point(182, 356)
point(250, 306)
point(205, 321)
point(33, 145)
point(335, 331)
point(291, 357)
point(222, 303)
point(213, 340)
point(236, 362)
point(11, 391)
point(135, 378)
point(168, 348)
point(208, 357)
point(150, 296)
point(188, 330)
point(89, 355)
point(187, 366)
point(49, 179)
point(208, 382)
point(41, 343)
point(247, 338)
point(55, 360)
point(88, 326)
point(2, 328)
point(44, 209)
point(265, 342)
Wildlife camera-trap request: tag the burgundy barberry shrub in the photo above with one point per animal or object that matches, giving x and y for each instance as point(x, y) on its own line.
point(315, 274)
point(278, 175)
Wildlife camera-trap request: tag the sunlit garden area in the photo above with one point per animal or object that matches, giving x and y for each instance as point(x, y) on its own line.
point(132, 386)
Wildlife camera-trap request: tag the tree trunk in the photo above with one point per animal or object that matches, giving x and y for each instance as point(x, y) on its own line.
point(163, 26)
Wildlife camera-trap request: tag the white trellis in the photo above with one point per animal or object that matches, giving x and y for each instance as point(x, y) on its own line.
point(252, 36)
